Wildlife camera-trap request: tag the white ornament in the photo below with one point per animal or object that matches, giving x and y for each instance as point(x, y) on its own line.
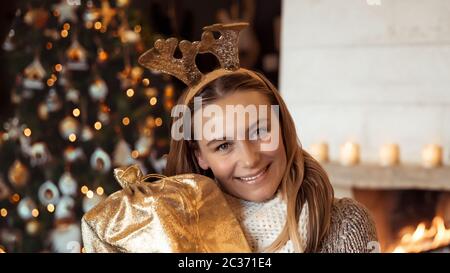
point(87, 133)
point(8, 44)
point(13, 128)
point(89, 203)
point(67, 12)
point(72, 154)
point(100, 161)
point(39, 154)
point(143, 145)
point(66, 238)
point(73, 95)
point(158, 164)
point(122, 154)
point(53, 101)
point(98, 90)
point(25, 208)
point(48, 193)
point(67, 184)
point(64, 209)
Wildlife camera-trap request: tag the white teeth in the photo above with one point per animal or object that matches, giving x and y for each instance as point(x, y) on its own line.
point(250, 178)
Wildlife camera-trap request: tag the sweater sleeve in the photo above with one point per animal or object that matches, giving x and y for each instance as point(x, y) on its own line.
point(352, 229)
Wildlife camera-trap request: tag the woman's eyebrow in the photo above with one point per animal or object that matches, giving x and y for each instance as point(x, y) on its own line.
point(255, 124)
point(211, 142)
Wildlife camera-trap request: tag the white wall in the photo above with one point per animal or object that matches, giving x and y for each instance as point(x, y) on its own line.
point(369, 73)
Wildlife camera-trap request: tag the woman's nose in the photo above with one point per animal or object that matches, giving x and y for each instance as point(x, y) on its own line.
point(250, 154)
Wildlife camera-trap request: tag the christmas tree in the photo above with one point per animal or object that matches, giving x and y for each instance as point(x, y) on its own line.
point(82, 106)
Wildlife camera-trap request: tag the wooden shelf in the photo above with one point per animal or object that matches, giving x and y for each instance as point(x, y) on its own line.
point(372, 176)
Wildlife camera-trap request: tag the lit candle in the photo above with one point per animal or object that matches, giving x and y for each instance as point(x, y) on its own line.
point(432, 156)
point(349, 153)
point(319, 151)
point(389, 154)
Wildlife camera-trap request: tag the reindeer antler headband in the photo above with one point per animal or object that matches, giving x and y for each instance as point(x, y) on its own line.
point(225, 48)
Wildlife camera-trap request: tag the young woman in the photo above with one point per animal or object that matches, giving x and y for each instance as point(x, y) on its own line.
point(282, 197)
point(277, 197)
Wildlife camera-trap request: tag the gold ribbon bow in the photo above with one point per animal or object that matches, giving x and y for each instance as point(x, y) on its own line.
point(132, 175)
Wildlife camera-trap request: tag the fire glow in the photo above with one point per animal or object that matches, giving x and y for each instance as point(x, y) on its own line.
point(424, 238)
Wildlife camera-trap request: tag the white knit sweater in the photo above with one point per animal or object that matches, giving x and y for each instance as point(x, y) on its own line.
point(263, 222)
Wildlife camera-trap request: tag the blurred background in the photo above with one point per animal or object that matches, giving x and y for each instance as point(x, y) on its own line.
point(366, 81)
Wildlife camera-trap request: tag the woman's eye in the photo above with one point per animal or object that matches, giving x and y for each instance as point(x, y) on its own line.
point(261, 133)
point(223, 147)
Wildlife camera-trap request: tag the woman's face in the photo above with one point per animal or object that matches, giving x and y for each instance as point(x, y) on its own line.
point(241, 162)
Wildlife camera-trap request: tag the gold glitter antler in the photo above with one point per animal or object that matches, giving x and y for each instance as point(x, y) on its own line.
point(225, 48)
point(161, 58)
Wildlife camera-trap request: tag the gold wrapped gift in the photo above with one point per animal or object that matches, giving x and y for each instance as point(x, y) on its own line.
point(183, 213)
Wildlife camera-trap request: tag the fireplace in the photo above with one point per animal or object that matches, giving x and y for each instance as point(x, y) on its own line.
point(409, 204)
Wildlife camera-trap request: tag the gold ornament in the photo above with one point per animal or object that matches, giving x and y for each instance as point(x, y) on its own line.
point(32, 227)
point(34, 73)
point(15, 97)
point(102, 55)
point(136, 74)
point(66, 12)
point(42, 111)
point(151, 92)
point(36, 17)
point(68, 126)
point(122, 3)
point(107, 13)
point(18, 174)
point(52, 33)
point(5, 191)
point(169, 104)
point(130, 76)
point(77, 56)
point(128, 36)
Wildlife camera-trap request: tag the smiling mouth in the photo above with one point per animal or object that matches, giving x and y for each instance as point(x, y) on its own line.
point(254, 178)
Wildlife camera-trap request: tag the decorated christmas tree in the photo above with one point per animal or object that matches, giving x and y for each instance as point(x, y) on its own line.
point(81, 106)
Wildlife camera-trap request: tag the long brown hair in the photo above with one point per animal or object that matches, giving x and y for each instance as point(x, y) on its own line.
point(303, 181)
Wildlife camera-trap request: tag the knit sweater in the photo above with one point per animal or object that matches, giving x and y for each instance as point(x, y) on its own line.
point(352, 228)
